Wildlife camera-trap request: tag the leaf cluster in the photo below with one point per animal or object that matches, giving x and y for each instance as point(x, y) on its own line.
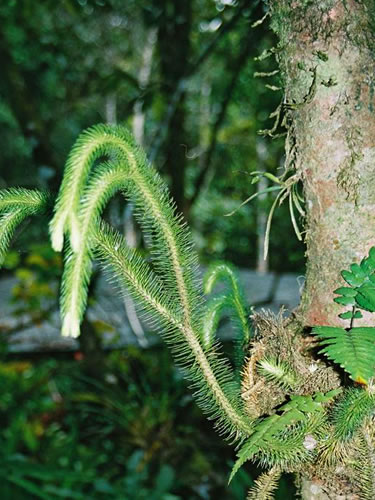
point(353, 348)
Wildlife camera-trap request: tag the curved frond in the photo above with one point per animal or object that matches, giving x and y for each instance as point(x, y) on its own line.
point(168, 237)
point(211, 319)
point(78, 265)
point(235, 301)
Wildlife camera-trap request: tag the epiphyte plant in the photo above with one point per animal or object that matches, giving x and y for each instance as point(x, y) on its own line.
point(287, 187)
point(300, 424)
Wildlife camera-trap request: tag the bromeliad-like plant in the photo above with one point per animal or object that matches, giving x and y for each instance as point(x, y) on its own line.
point(300, 424)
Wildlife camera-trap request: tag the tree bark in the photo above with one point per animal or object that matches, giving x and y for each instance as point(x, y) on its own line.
point(327, 61)
point(326, 56)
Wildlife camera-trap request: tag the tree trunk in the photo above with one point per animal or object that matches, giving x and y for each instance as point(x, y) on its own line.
point(326, 57)
point(327, 66)
point(174, 49)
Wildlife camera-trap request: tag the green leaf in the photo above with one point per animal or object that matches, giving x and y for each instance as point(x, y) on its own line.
point(353, 350)
point(351, 278)
point(346, 315)
point(365, 298)
point(349, 315)
point(357, 271)
point(346, 291)
point(345, 301)
point(367, 265)
point(371, 257)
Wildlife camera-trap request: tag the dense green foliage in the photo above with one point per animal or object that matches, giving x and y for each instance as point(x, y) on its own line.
point(307, 428)
point(129, 430)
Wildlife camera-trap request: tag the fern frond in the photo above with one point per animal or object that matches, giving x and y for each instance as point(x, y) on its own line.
point(353, 350)
point(210, 374)
point(168, 237)
point(107, 180)
point(17, 204)
point(284, 450)
point(265, 485)
point(279, 372)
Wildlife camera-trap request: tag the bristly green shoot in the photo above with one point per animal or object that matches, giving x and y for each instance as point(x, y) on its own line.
point(209, 372)
point(265, 485)
point(169, 239)
point(16, 204)
point(231, 299)
point(168, 290)
point(104, 183)
point(279, 372)
point(353, 348)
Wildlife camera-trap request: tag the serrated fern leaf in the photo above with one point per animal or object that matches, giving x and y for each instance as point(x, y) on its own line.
point(211, 376)
point(16, 205)
point(265, 486)
point(299, 409)
point(353, 350)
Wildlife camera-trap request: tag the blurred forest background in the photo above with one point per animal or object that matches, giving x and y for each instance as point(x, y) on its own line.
point(187, 77)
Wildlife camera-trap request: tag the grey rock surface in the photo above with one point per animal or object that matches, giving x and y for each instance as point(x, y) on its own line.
point(120, 324)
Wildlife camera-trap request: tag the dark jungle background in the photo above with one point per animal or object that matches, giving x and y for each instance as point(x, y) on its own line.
point(111, 421)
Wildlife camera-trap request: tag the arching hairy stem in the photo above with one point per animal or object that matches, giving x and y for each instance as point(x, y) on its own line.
point(209, 373)
point(170, 243)
point(167, 290)
point(78, 265)
point(15, 206)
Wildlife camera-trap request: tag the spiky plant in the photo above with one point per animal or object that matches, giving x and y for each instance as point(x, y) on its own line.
point(167, 289)
point(300, 425)
point(15, 206)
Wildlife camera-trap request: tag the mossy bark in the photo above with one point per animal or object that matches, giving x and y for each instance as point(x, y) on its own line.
point(326, 54)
